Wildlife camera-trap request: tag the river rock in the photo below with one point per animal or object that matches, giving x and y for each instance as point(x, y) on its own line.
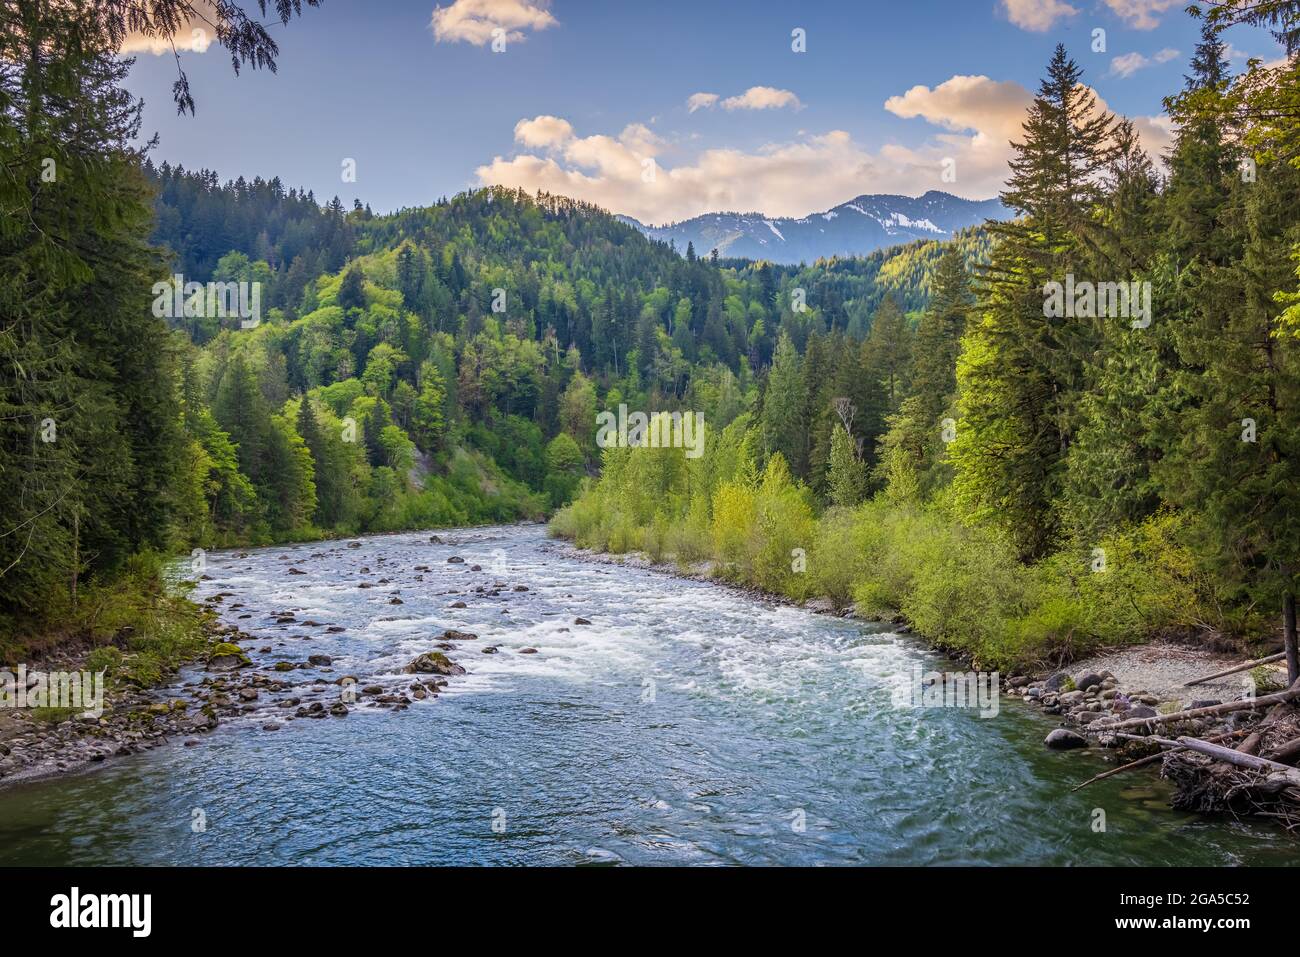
point(1140, 711)
point(1070, 698)
point(434, 663)
point(320, 661)
point(1055, 682)
point(581, 621)
point(227, 657)
point(1085, 680)
point(451, 634)
point(528, 651)
point(455, 560)
point(1063, 739)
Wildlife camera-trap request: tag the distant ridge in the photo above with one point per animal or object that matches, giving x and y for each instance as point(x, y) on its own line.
point(855, 228)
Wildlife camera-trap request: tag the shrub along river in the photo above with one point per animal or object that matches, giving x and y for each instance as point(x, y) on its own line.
point(686, 724)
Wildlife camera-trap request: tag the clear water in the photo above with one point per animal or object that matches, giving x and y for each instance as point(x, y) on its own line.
point(772, 738)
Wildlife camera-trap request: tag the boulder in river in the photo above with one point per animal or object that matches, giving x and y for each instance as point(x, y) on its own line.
point(434, 663)
point(451, 634)
point(1063, 739)
point(455, 560)
point(227, 657)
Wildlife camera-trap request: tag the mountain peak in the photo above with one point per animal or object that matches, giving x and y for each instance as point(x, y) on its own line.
point(858, 227)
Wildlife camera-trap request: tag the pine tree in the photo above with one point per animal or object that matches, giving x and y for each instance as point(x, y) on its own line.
point(1021, 374)
point(784, 425)
point(327, 481)
point(90, 437)
point(351, 293)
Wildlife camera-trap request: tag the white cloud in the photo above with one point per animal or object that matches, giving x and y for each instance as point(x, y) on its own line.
point(1142, 14)
point(1037, 15)
point(195, 35)
point(1240, 58)
point(967, 103)
point(542, 132)
point(1129, 63)
point(976, 120)
point(472, 21)
point(701, 101)
point(761, 98)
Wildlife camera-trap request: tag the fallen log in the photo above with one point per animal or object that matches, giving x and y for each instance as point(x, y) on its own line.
point(1256, 737)
point(1238, 759)
point(1248, 704)
point(1287, 753)
point(1150, 758)
point(1281, 655)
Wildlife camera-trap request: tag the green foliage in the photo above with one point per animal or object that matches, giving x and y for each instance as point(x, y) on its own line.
point(847, 476)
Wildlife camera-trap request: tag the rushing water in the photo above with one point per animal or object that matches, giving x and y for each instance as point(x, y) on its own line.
point(687, 724)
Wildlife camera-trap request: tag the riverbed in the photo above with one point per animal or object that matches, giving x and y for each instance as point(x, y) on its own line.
point(684, 723)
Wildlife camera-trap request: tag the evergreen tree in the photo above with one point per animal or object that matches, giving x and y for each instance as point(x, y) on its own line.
point(1021, 374)
point(784, 423)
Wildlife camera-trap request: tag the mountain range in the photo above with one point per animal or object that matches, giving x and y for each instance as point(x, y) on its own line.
point(855, 228)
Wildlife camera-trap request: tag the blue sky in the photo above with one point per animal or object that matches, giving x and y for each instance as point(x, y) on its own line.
point(590, 97)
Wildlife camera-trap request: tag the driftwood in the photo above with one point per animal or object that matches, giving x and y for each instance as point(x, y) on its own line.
point(1249, 704)
point(1288, 752)
point(1236, 758)
point(1280, 656)
point(1256, 737)
point(1150, 758)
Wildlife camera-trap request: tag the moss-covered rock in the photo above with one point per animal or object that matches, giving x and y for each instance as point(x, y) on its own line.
point(227, 656)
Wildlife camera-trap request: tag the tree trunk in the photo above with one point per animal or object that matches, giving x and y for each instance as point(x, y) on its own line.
point(1288, 631)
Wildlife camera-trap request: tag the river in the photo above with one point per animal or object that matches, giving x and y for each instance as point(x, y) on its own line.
point(687, 724)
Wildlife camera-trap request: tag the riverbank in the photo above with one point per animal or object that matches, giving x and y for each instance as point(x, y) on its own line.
point(228, 673)
point(678, 723)
point(1092, 695)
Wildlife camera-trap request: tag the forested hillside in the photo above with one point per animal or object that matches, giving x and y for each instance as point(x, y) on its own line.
point(1026, 481)
point(912, 430)
point(470, 345)
point(438, 366)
